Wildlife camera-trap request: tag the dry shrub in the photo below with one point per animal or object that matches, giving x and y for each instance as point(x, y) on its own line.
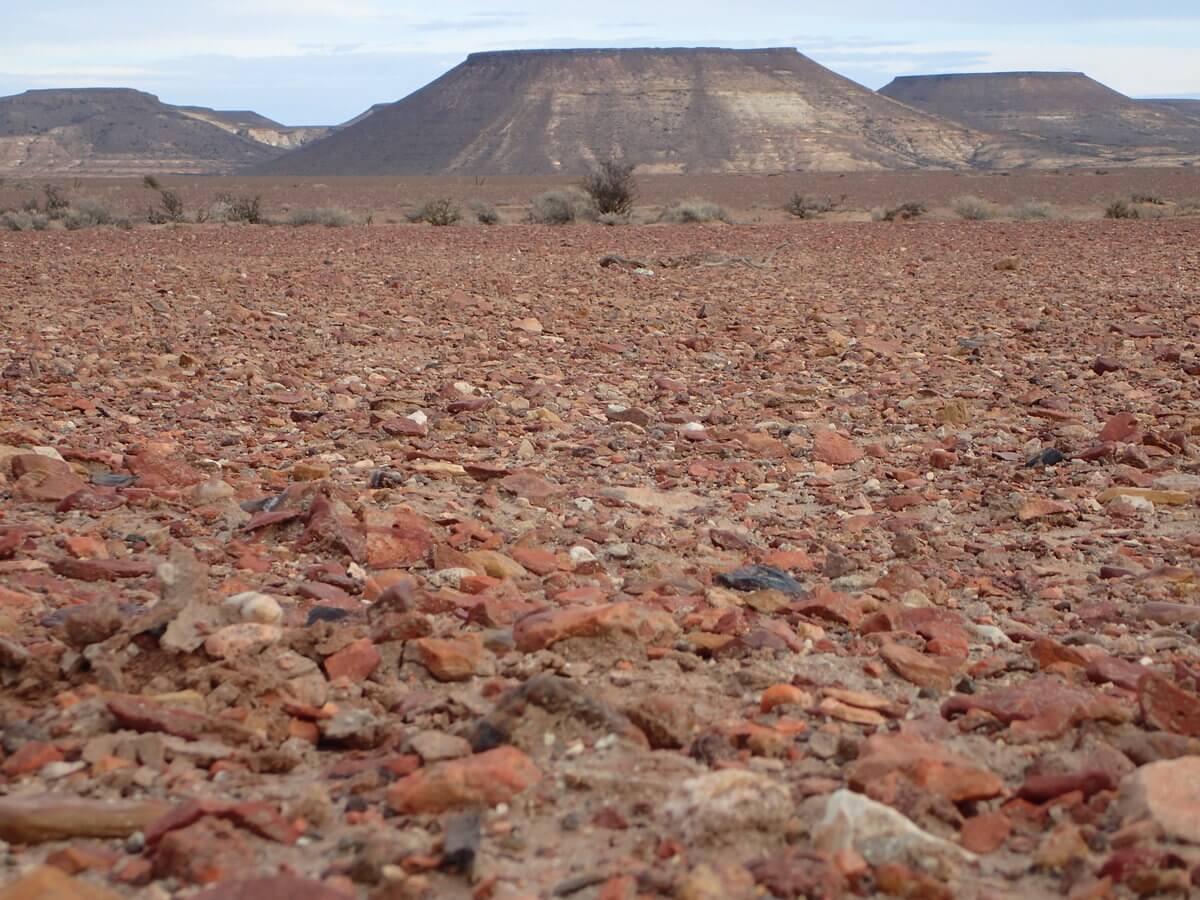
point(1121, 209)
point(23, 220)
point(485, 213)
point(803, 207)
point(611, 187)
point(903, 212)
point(327, 216)
point(695, 211)
point(973, 209)
point(560, 208)
point(440, 211)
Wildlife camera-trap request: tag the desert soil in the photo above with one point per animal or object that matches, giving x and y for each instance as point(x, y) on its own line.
point(809, 560)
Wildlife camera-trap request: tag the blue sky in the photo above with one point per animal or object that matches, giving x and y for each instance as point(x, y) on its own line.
point(323, 61)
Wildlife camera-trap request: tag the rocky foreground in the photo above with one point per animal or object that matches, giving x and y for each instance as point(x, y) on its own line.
point(810, 561)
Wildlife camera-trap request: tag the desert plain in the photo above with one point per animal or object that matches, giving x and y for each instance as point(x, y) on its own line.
point(780, 558)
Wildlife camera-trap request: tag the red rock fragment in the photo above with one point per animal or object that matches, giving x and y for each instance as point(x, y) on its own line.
point(985, 833)
point(534, 488)
point(355, 662)
point(1042, 707)
point(834, 449)
point(547, 627)
point(1167, 706)
point(143, 714)
point(482, 780)
point(29, 758)
point(1044, 788)
point(102, 569)
point(919, 668)
point(924, 765)
point(277, 887)
point(449, 659)
point(1120, 427)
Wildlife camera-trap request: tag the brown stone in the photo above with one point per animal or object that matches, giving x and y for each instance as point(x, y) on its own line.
point(35, 818)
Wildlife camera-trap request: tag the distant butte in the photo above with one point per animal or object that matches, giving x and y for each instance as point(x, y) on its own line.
point(679, 110)
point(1070, 114)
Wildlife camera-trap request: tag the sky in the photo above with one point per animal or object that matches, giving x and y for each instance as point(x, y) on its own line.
point(319, 62)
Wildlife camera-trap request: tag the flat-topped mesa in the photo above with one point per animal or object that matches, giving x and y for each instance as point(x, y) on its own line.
point(686, 110)
point(1069, 111)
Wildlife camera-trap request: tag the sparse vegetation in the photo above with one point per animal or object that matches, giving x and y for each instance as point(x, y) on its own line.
point(612, 188)
point(1033, 209)
point(973, 209)
point(688, 212)
point(56, 200)
point(439, 211)
point(23, 220)
point(803, 207)
point(170, 208)
point(328, 216)
point(59, 212)
point(903, 212)
point(242, 209)
point(1121, 209)
point(485, 213)
point(149, 181)
point(86, 213)
point(612, 219)
point(560, 208)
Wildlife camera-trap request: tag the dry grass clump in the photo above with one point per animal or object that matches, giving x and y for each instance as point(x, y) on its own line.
point(560, 208)
point(694, 212)
point(326, 216)
point(974, 209)
point(1032, 210)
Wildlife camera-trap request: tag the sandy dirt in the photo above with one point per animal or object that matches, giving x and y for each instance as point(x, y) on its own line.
point(818, 559)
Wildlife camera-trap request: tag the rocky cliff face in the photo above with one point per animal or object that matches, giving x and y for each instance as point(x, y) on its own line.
point(670, 110)
point(1068, 115)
